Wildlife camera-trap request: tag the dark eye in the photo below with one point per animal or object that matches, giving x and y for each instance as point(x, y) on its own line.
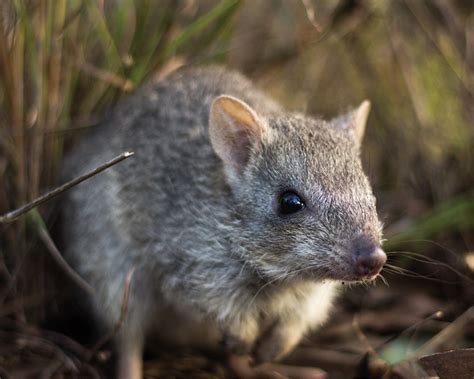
point(290, 202)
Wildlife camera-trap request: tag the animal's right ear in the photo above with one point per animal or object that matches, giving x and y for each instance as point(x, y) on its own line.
point(354, 121)
point(235, 129)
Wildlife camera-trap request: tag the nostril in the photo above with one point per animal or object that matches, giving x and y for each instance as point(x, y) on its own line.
point(370, 263)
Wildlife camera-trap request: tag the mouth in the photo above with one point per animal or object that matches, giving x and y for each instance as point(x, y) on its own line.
point(372, 275)
point(358, 279)
point(368, 278)
point(352, 275)
point(346, 277)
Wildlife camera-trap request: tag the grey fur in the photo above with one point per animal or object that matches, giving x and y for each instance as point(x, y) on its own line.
point(212, 258)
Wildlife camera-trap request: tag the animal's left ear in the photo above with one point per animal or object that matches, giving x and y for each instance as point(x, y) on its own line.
point(355, 121)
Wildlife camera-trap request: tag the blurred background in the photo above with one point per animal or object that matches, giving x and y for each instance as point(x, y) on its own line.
point(65, 62)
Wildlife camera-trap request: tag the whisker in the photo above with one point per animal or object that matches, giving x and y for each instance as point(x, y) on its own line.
point(285, 276)
point(437, 244)
point(266, 285)
point(424, 259)
point(413, 274)
point(392, 268)
point(384, 280)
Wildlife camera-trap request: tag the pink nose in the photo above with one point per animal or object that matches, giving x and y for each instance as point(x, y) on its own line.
point(369, 263)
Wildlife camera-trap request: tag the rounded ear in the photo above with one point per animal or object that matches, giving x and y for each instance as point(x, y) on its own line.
point(234, 128)
point(355, 120)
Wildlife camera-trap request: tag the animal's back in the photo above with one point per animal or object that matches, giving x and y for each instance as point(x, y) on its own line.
point(157, 207)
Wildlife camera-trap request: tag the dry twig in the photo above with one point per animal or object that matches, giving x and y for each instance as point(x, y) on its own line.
point(57, 256)
point(13, 215)
point(123, 312)
point(452, 332)
point(361, 336)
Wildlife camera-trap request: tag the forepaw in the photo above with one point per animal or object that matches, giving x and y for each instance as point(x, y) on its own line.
point(277, 342)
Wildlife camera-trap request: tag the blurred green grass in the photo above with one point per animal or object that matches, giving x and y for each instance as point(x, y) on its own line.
point(65, 61)
point(62, 64)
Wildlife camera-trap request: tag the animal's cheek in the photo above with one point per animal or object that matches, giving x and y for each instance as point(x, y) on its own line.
point(322, 260)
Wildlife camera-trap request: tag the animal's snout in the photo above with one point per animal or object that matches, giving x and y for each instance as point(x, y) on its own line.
point(369, 261)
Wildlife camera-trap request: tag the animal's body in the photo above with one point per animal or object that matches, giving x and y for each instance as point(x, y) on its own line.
point(238, 218)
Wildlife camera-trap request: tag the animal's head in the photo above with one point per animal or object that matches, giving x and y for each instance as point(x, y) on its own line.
point(306, 206)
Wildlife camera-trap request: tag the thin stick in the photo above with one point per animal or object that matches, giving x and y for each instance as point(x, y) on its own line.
point(46, 238)
point(121, 320)
point(13, 215)
point(450, 333)
point(362, 337)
